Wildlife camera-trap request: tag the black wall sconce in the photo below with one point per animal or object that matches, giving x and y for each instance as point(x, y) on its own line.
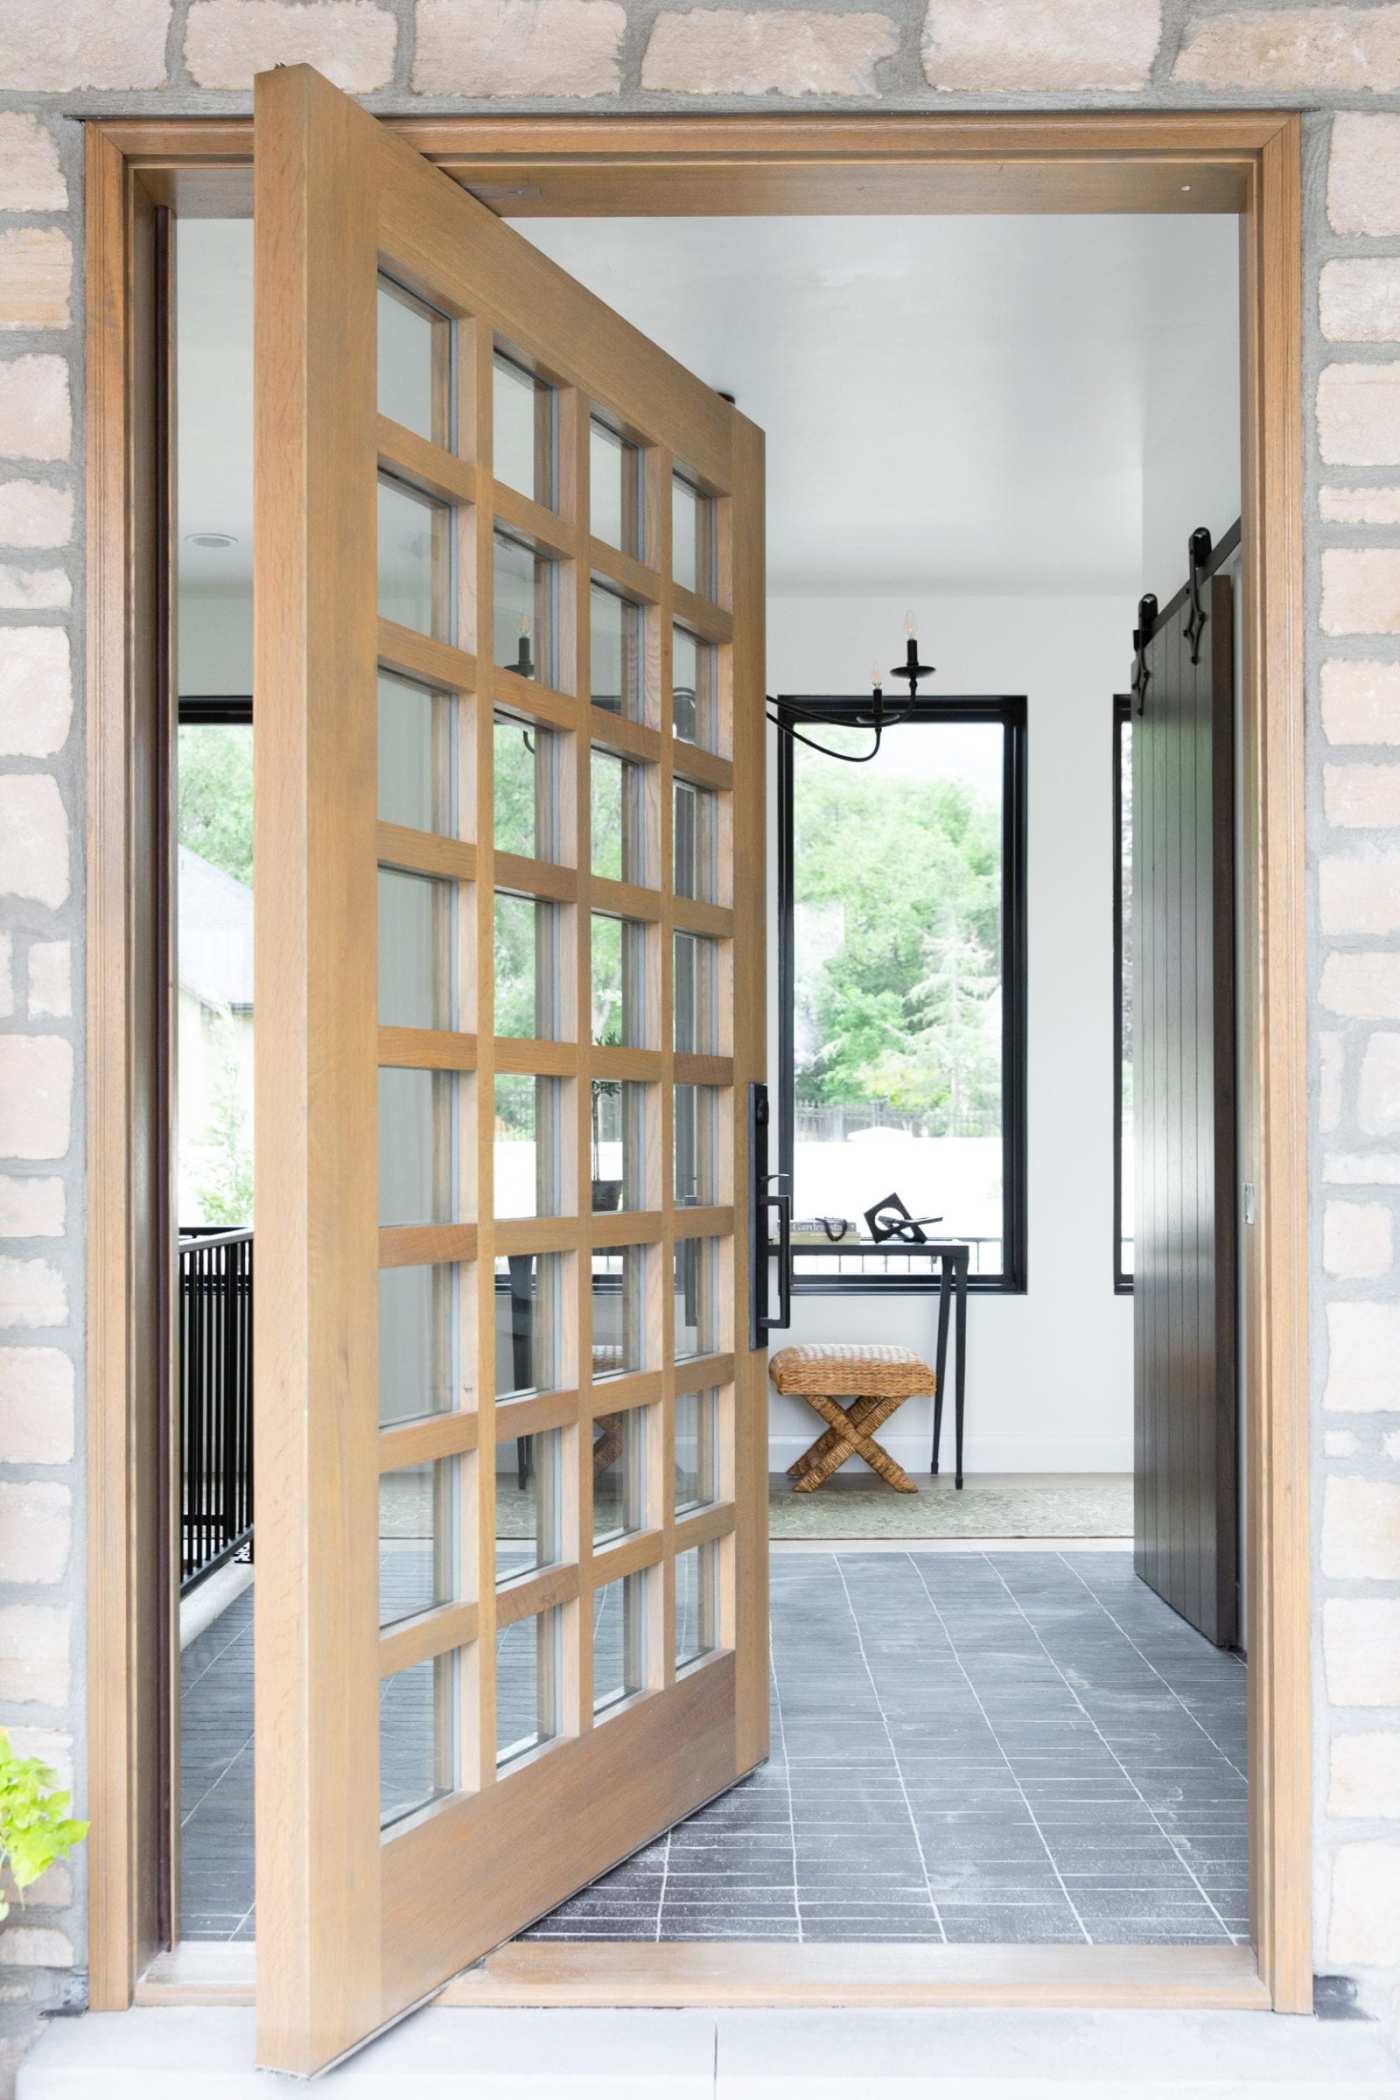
point(881, 717)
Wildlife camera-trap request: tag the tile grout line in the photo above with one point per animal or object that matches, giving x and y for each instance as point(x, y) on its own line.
point(1161, 1827)
point(1025, 1797)
point(1113, 1621)
point(899, 1769)
point(787, 1775)
point(189, 1814)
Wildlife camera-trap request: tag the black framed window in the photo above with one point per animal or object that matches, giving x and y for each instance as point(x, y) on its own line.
point(1122, 992)
point(902, 987)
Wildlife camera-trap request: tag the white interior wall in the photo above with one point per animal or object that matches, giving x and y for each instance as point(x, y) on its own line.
point(1049, 1373)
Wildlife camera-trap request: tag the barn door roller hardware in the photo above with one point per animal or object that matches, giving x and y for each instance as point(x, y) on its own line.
point(1198, 553)
point(1142, 635)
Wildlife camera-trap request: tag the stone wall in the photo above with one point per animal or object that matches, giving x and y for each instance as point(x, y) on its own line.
point(1341, 63)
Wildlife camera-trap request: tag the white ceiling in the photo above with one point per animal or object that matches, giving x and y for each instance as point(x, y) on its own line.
point(950, 403)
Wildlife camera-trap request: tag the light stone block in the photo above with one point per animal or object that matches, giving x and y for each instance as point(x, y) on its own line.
point(790, 51)
point(1340, 1443)
point(1359, 896)
point(1357, 1240)
point(1313, 48)
point(52, 1746)
point(35, 515)
point(34, 590)
point(1363, 173)
point(35, 1645)
point(1027, 46)
point(1363, 1358)
point(1361, 1524)
point(1331, 1069)
point(36, 1947)
point(36, 691)
point(519, 47)
point(52, 1891)
point(31, 1207)
point(1362, 796)
point(1364, 986)
point(85, 44)
point(1364, 1928)
point(36, 1096)
point(1359, 299)
point(37, 1389)
point(31, 178)
point(1391, 1446)
point(36, 277)
point(1359, 506)
point(50, 980)
point(1365, 1775)
point(1362, 1170)
point(36, 1530)
point(1361, 590)
point(1378, 1088)
point(1358, 414)
point(36, 416)
point(33, 839)
point(32, 1292)
point(1361, 1650)
point(7, 975)
point(1361, 702)
point(353, 42)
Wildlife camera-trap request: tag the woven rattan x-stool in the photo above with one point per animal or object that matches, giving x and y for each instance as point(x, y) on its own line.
point(854, 1389)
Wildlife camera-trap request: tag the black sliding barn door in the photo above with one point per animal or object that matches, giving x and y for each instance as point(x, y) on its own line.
point(1186, 1524)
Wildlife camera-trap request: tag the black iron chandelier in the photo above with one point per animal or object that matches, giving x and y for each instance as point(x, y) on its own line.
point(884, 714)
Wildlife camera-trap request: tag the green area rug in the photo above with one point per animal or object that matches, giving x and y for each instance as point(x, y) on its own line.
point(989, 1505)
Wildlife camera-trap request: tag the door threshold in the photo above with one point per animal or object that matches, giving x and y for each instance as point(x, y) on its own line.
point(698, 1973)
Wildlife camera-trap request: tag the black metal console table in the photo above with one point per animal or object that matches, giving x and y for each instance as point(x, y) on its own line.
point(954, 1257)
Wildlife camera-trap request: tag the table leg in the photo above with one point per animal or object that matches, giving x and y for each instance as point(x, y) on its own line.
point(961, 1286)
point(940, 1361)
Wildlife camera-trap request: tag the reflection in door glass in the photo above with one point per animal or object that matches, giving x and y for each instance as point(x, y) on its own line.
point(418, 1347)
point(697, 1603)
point(416, 1539)
point(416, 988)
point(527, 967)
point(529, 1306)
point(697, 1297)
point(529, 1146)
point(619, 981)
point(694, 714)
point(616, 636)
point(528, 1660)
point(619, 1138)
point(417, 1117)
point(416, 755)
point(696, 994)
point(526, 777)
point(692, 537)
point(414, 534)
point(618, 831)
point(527, 1500)
point(415, 354)
point(619, 1640)
point(696, 1471)
point(523, 432)
point(619, 1310)
point(614, 489)
point(523, 610)
point(697, 1145)
point(417, 1737)
point(619, 1474)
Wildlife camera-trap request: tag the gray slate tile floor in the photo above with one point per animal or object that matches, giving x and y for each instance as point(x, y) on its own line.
point(965, 1747)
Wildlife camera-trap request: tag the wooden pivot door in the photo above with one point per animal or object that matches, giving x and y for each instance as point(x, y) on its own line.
point(1186, 1525)
point(511, 1597)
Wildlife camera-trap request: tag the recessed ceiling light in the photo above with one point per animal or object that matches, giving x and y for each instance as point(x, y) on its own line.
point(211, 539)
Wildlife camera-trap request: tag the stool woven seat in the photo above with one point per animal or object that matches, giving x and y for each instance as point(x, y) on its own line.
point(874, 1378)
point(875, 1368)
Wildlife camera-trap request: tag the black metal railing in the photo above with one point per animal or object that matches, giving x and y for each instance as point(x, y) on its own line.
point(216, 1400)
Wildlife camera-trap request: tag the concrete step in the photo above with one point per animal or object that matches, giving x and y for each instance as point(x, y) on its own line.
point(204, 2053)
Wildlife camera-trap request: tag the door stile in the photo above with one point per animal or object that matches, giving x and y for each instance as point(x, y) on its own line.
point(743, 526)
point(314, 832)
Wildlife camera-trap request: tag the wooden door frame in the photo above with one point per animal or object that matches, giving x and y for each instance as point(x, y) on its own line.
point(1246, 162)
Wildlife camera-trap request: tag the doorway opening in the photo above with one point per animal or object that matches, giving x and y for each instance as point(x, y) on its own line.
point(1048, 407)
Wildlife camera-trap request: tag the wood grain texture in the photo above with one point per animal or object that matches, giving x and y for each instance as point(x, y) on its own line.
point(1184, 1275)
point(129, 1623)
